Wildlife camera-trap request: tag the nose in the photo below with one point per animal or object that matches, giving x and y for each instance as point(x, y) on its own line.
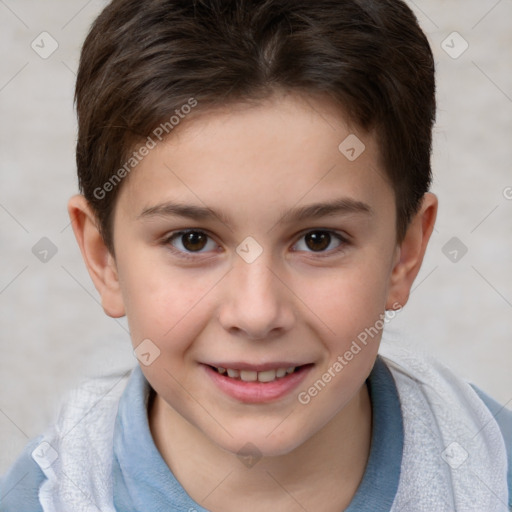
point(257, 305)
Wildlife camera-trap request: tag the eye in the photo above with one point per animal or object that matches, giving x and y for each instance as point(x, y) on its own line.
point(319, 241)
point(190, 242)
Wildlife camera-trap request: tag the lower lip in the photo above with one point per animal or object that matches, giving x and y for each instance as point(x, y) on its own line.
point(258, 392)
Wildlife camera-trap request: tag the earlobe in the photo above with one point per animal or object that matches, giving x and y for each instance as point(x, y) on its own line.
point(411, 252)
point(98, 260)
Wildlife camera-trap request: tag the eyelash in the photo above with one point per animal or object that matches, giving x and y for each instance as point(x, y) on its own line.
point(194, 255)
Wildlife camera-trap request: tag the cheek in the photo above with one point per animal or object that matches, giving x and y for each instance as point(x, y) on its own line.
point(169, 308)
point(164, 303)
point(347, 300)
point(351, 308)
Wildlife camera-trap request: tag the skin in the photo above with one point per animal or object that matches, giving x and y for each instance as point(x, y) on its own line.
point(298, 301)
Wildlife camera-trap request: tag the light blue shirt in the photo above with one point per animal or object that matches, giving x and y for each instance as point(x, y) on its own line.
point(142, 482)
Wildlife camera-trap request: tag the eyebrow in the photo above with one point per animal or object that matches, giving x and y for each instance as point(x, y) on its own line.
point(342, 206)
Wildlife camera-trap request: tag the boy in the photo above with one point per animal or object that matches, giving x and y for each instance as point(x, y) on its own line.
point(255, 182)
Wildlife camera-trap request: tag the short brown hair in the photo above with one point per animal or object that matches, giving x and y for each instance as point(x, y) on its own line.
point(143, 60)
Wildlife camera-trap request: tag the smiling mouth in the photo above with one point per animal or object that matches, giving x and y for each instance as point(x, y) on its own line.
point(265, 376)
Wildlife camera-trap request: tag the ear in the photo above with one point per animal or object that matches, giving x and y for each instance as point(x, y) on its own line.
point(411, 251)
point(98, 260)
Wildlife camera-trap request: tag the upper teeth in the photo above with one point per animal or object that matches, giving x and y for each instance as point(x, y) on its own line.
point(253, 376)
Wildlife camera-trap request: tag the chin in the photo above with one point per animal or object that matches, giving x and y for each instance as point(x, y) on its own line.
point(262, 442)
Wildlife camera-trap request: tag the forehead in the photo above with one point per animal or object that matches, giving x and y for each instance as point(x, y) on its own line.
point(260, 159)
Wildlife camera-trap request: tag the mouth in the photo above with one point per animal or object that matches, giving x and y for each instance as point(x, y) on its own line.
point(257, 384)
point(269, 375)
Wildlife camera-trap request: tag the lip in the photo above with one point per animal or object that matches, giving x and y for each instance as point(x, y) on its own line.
point(240, 365)
point(258, 392)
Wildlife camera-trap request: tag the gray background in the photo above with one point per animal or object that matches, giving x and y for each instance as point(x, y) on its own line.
point(53, 330)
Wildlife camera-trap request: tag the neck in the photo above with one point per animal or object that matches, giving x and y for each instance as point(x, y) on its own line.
point(329, 465)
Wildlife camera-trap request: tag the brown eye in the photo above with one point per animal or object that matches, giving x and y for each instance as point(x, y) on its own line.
point(320, 241)
point(190, 242)
point(194, 241)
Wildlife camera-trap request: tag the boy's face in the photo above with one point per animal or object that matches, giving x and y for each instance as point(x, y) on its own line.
point(297, 293)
